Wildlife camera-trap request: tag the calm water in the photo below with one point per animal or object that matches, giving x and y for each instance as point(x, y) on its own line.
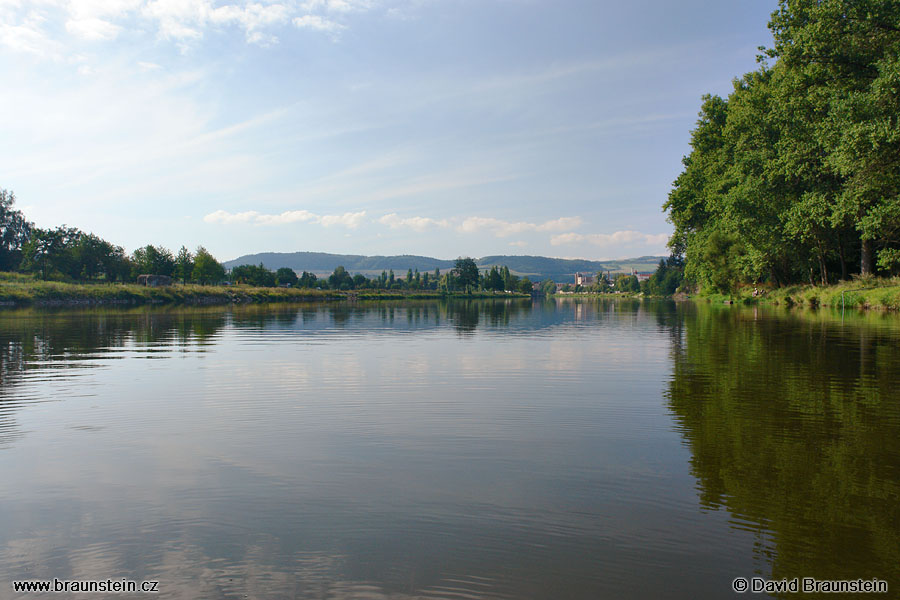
point(464, 450)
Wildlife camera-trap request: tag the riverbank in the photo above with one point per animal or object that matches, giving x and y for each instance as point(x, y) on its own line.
point(869, 293)
point(18, 290)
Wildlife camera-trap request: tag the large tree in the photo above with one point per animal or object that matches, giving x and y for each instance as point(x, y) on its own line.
point(847, 54)
point(797, 173)
point(466, 272)
point(153, 260)
point(207, 270)
point(15, 231)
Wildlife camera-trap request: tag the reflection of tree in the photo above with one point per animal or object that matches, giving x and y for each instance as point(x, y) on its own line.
point(794, 425)
point(464, 315)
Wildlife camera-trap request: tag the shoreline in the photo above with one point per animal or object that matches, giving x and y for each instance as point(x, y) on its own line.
point(877, 294)
point(20, 292)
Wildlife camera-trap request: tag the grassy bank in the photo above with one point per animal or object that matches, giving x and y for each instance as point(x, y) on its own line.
point(24, 290)
point(866, 293)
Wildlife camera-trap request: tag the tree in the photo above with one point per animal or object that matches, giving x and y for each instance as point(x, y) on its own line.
point(340, 279)
point(848, 54)
point(493, 281)
point(466, 272)
point(207, 270)
point(665, 280)
point(15, 232)
point(255, 275)
point(548, 287)
point(627, 283)
point(51, 253)
point(91, 257)
point(153, 260)
point(603, 283)
point(307, 280)
point(286, 276)
point(184, 265)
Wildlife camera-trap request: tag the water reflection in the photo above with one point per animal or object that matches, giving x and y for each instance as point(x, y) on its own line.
point(793, 421)
point(449, 449)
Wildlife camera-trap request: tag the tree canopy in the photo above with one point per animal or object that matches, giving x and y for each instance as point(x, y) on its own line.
point(795, 175)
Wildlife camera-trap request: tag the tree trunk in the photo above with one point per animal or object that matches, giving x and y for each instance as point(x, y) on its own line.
point(843, 260)
point(823, 270)
point(865, 262)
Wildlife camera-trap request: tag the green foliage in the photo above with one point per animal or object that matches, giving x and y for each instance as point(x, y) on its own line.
point(286, 276)
point(493, 280)
point(207, 270)
point(889, 260)
point(627, 283)
point(341, 279)
point(184, 265)
point(466, 273)
point(255, 275)
point(797, 172)
point(153, 260)
point(548, 287)
point(602, 283)
point(307, 280)
point(14, 232)
point(666, 280)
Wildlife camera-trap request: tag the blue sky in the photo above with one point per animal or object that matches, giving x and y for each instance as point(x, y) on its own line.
point(434, 127)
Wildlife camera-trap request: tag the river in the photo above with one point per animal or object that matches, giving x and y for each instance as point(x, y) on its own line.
point(461, 449)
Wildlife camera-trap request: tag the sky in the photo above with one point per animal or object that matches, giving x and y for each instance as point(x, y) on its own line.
point(433, 127)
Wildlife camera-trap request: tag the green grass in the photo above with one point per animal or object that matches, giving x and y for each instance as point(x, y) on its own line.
point(882, 293)
point(22, 290)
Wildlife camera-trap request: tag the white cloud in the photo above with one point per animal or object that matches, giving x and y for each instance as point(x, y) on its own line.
point(89, 9)
point(611, 239)
point(25, 29)
point(290, 216)
point(178, 19)
point(506, 228)
point(519, 244)
point(93, 29)
point(340, 6)
point(226, 218)
point(28, 37)
point(349, 219)
point(394, 221)
point(252, 17)
point(317, 23)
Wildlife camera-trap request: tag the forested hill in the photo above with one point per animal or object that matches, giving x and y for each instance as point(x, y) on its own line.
point(323, 262)
point(535, 267)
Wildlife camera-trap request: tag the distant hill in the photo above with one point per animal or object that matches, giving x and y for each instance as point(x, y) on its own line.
point(535, 267)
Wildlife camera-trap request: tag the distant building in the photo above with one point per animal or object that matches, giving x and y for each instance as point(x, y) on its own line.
point(641, 276)
point(584, 280)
